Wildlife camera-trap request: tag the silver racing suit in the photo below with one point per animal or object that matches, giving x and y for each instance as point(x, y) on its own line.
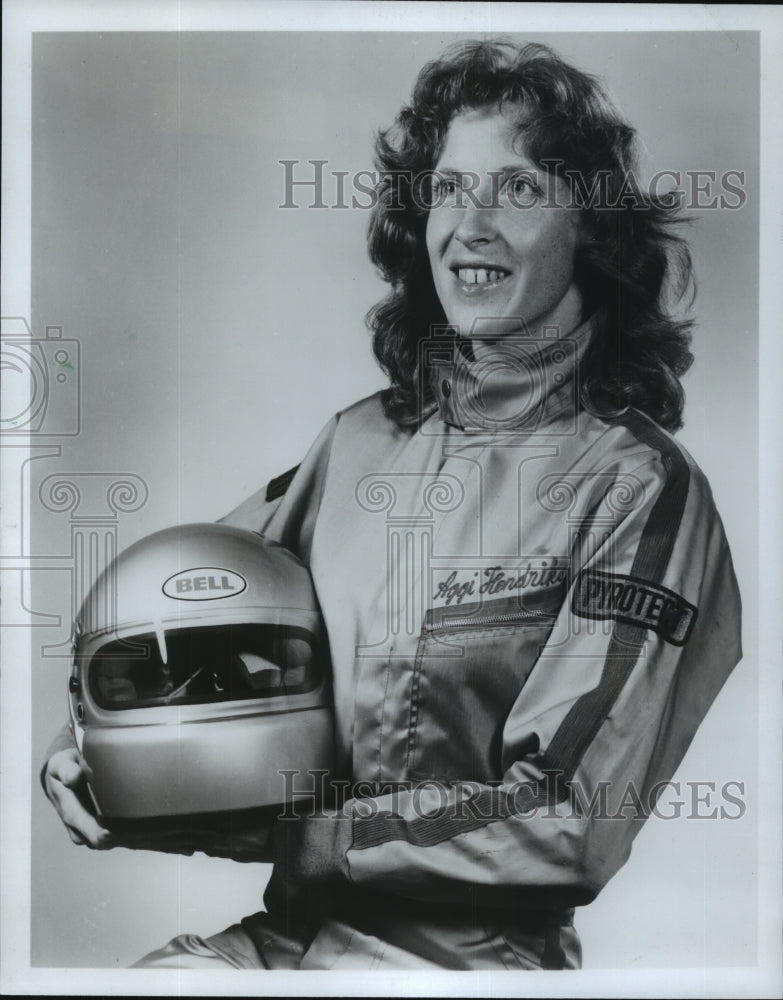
point(530, 610)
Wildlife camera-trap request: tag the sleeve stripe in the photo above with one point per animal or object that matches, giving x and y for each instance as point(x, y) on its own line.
point(581, 724)
point(489, 806)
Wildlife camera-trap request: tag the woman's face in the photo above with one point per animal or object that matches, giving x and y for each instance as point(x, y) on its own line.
point(512, 255)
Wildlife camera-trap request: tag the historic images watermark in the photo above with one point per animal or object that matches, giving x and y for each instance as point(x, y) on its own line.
point(314, 184)
point(41, 381)
point(314, 794)
point(41, 415)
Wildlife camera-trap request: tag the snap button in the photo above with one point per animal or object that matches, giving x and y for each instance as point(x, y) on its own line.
point(445, 388)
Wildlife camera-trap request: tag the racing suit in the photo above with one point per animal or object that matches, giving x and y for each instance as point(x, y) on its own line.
point(530, 610)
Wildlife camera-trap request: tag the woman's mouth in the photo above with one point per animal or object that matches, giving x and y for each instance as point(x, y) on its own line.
point(475, 280)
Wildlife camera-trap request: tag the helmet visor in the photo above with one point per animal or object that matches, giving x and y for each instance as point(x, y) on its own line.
point(201, 665)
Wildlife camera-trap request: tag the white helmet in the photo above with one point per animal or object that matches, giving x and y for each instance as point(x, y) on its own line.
point(200, 673)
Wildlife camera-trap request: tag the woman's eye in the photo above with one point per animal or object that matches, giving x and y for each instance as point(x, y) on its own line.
point(523, 184)
point(445, 185)
point(441, 191)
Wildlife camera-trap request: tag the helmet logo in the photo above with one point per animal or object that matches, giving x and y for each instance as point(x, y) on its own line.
point(204, 583)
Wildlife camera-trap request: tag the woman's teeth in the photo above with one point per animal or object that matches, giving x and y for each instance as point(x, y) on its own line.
point(479, 275)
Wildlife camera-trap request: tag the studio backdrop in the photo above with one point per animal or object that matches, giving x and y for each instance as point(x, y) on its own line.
point(199, 211)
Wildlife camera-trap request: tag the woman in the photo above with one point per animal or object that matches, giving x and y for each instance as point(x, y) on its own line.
point(529, 597)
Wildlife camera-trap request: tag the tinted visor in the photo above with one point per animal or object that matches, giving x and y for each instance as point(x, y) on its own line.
point(205, 665)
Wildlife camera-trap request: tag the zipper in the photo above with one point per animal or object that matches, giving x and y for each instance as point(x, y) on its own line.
point(498, 619)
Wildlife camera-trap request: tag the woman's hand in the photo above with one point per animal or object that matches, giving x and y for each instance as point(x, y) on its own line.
point(65, 783)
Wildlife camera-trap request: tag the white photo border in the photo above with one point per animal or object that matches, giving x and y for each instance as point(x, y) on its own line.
point(21, 18)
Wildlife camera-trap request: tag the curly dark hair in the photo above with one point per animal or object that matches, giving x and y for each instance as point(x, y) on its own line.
point(631, 271)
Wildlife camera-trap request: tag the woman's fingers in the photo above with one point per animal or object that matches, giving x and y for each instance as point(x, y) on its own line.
point(70, 774)
point(82, 826)
point(65, 778)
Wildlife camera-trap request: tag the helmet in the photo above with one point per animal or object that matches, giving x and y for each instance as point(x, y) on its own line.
point(200, 673)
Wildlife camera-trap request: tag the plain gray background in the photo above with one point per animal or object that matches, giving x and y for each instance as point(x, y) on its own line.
point(218, 333)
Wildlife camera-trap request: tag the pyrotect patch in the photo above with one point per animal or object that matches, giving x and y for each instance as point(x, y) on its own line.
point(635, 602)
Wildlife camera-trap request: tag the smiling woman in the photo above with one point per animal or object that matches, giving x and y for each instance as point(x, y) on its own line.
point(553, 202)
point(495, 258)
point(529, 598)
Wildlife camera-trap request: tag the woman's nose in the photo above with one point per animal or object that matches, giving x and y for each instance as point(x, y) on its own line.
point(477, 226)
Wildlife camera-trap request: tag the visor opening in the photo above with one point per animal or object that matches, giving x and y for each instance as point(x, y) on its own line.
point(204, 665)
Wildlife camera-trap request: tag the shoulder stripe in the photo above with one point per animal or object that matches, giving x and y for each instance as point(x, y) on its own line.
point(280, 484)
point(586, 716)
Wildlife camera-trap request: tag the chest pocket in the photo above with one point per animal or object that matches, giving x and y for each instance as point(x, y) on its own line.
point(472, 661)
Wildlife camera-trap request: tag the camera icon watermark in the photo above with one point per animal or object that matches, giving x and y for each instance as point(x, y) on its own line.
point(41, 381)
point(501, 382)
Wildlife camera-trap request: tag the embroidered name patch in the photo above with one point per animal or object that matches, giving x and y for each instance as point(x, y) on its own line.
point(635, 602)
